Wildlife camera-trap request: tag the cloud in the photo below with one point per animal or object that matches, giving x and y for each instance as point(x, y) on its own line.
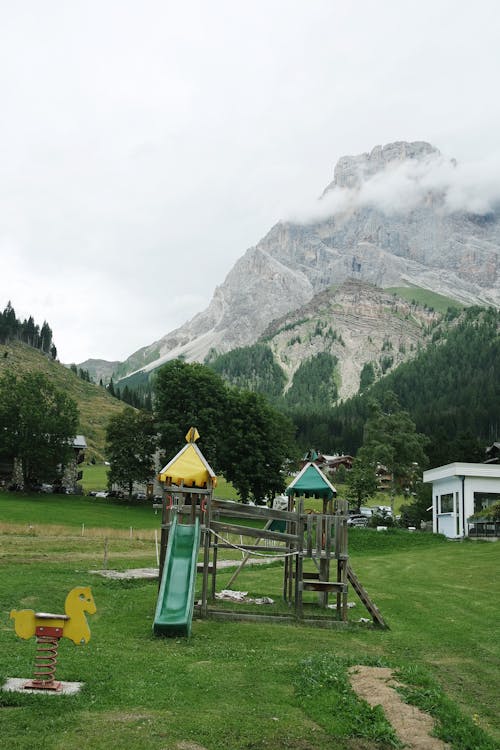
point(470, 187)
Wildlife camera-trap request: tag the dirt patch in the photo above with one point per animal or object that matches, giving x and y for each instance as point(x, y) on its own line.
point(376, 686)
point(130, 717)
point(189, 746)
point(131, 573)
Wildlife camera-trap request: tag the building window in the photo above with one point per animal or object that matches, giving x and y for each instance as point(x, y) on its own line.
point(447, 503)
point(483, 500)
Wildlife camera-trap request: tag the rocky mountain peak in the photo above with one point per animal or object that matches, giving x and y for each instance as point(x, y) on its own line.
point(351, 171)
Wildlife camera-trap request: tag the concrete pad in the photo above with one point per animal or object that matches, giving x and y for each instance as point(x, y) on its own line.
point(15, 685)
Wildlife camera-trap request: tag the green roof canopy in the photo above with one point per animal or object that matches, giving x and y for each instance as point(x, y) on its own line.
point(311, 481)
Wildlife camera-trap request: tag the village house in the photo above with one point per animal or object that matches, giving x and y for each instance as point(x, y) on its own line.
point(459, 490)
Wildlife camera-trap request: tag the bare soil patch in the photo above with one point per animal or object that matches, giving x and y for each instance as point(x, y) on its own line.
point(376, 686)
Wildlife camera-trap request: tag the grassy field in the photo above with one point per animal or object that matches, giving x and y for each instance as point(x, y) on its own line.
point(244, 685)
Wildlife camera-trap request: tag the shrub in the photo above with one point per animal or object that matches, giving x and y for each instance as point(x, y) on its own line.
point(492, 513)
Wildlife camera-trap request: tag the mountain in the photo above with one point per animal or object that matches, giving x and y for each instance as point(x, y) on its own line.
point(95, 405)
point(99, 369)
point(386, 218)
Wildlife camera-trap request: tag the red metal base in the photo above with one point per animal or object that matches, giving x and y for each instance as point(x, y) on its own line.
point(42, 685)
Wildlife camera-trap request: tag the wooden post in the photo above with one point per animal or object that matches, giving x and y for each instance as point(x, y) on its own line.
point(290, 562)
point(323, 545)
point(299, 561)
point(286, 566)
point(324, 575)
point(215, 551)
point(206, 546)
point(165, 525)
point(215, 548)
point(194, 503)
point(310, 524)
point(338, 555)
point(341, 555)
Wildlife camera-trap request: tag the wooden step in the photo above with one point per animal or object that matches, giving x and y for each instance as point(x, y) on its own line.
point(313, 585)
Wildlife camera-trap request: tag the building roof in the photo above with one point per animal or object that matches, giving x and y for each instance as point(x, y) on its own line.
point(461, 469)
point(311, 481)
point(189, 466)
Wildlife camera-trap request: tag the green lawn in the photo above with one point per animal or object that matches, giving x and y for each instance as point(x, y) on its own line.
point(75, 510)
point(249, 686)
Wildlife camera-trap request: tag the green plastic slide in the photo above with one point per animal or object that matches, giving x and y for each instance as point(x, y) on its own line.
point(174, 608)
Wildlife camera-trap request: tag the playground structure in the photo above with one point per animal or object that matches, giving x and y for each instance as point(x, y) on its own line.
point(49, 629)
point(191, 517)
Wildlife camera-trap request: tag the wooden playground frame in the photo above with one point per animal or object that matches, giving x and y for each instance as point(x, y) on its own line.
point(296, 535)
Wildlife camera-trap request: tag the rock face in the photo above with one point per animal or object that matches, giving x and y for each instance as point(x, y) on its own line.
point(351, 171)
point(358, 323)
point(454, 254)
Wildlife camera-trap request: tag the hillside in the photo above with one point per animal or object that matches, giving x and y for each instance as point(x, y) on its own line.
point(359, 326)
point(443, 367)
point(451, 389)
point(95, 405)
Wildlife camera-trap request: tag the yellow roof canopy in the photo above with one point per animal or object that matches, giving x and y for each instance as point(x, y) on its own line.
point(189, 466)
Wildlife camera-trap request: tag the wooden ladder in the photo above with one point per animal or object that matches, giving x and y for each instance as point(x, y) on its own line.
point(363, 595)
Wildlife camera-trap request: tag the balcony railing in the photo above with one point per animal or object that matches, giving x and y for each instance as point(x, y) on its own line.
point(484, 528)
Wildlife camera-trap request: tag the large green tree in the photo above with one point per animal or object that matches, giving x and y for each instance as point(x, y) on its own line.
point(361, 481)
point(254, 445)
point(189, 395)
point(130, 446)
point(391, 440)
point(37, 425)
point(241, 435)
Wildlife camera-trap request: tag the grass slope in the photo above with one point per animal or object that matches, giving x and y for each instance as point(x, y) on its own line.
point(95, 405)
point(245, 685)
point(425, 297)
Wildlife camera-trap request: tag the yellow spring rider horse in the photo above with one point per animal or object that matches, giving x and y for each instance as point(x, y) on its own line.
point(49, 629)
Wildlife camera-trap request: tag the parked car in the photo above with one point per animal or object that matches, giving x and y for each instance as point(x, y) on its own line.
point(383, 510)
point(139, 495)
point(102, 493)
point(365, 511)
point(357, 520)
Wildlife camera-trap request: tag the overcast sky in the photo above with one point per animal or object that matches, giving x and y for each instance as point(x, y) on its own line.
point(146, 144)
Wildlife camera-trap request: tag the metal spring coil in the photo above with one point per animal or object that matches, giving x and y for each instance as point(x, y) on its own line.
point(46, 658)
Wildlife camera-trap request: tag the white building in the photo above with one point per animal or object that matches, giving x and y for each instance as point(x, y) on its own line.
point(458, 491)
